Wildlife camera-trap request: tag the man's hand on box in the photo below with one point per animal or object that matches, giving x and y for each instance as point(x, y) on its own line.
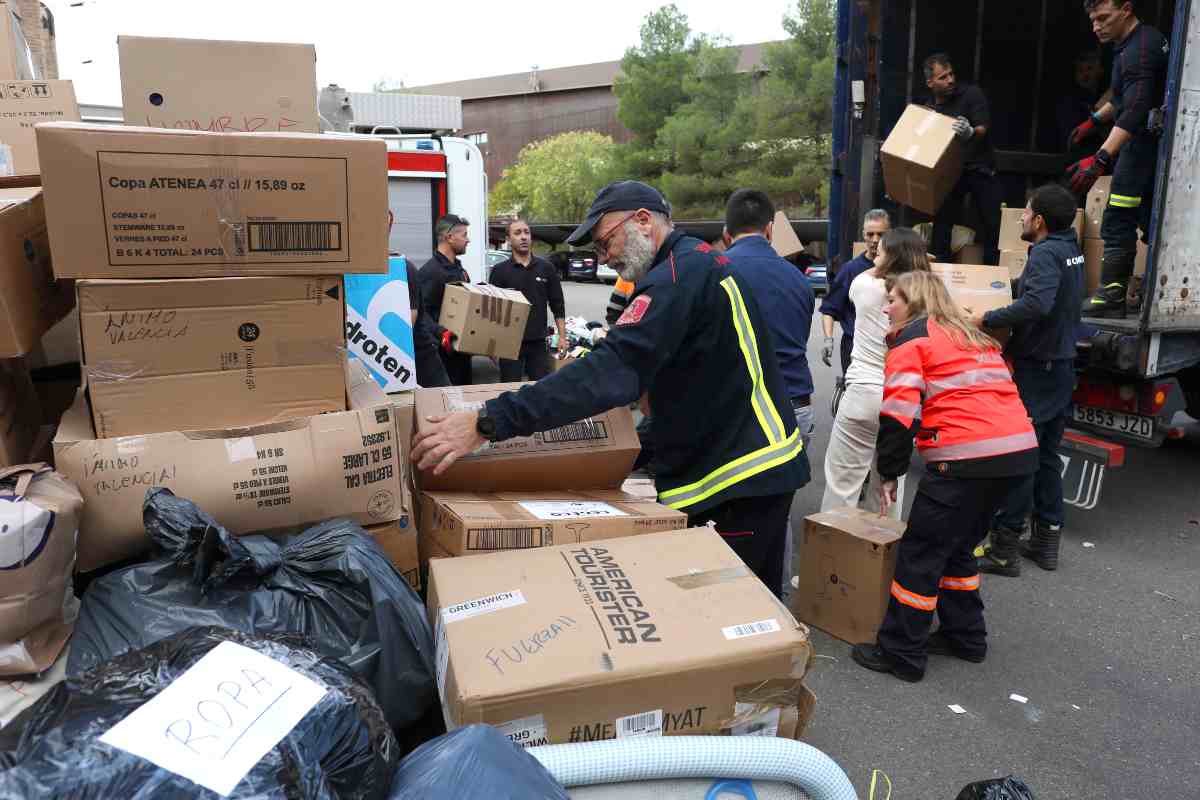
point(447, 439)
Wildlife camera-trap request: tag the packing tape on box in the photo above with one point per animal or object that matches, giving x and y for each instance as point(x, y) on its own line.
point(712, 577)
point(927, 123)
point(310, 350)
point(113, 371)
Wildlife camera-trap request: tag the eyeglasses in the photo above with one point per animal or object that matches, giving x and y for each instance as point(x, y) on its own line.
point(601, 242)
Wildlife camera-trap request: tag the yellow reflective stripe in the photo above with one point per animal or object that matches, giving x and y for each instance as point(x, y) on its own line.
point(760, 400)
point(1124, 201)
point(735, 471)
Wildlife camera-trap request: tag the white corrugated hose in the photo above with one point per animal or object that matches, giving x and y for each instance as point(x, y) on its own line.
point(741, 757)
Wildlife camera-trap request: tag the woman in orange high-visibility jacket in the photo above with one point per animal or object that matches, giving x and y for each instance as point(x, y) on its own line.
point(977, 442)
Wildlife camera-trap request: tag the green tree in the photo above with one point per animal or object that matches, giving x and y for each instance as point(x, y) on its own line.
point(555, 179)
point(650, 85)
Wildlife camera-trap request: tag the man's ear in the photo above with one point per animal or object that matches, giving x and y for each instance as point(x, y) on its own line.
point(770, 231)
point(725, 237)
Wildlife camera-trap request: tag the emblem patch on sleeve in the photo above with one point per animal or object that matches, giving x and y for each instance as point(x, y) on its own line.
point(635, 310)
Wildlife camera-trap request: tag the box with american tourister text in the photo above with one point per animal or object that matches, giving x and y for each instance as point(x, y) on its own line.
point(469, 523)
point(125, 202)
point(593, 453)
point(276, 477)
point(663, 634)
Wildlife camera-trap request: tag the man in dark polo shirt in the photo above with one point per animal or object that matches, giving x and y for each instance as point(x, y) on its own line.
point(445, 268)
point(972, 124)
point(537, 279)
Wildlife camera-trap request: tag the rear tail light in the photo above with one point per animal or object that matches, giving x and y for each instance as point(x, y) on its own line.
point(1154, 397)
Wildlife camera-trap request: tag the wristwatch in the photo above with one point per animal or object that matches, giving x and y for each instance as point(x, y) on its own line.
point(485, 425)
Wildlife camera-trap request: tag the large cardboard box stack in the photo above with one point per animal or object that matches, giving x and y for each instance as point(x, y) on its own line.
point(664, 634)
point(922, 159)
point(24, 104)
point(212, 305)
point(20, 417)
point(847, 558)
point(1093, 243)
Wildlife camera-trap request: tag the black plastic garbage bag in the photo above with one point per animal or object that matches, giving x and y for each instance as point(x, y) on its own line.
point(473, 762)
point(331, 584)
point(1009, 788)
point(342, 749)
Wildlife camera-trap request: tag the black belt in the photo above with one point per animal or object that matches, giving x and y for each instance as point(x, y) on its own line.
point(802, 402)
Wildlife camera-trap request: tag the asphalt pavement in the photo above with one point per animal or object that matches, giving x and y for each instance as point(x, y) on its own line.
point(1105, 651)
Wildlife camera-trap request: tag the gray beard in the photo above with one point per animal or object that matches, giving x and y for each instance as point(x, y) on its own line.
point(639, 252)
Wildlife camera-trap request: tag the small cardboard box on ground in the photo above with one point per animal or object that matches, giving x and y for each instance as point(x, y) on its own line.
point(398, 540)
point(976, 287)
point(667, 633)
point(847, 557)
point(206, 86)
point(31, 299)
point(465, 523)
point(487, 321)
point(24, 104)
point(276, 477)
point(203, 353)
point(922, 159)
point(594, 453)
point(20, 413)
point(156, 203)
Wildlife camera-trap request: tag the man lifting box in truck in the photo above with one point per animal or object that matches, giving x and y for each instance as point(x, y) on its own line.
point(1130, 153)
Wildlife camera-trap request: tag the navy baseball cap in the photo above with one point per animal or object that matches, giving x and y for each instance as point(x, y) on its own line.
point(619, 196)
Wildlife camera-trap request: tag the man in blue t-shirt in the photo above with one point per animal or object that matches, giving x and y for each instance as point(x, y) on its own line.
point(837, 305)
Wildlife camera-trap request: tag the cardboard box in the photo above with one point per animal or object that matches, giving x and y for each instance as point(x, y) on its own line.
point(922, 159)
point(155, 203)
point(379, 326)
point(847, 557)
point(205, 87)
point(858, 249)
point(667, 633)
point(1097, 201)
point(487, 321)
point(1010, 227)
point(466, 523)
point(976, 287)
point(593, 453)
point(969, 254)
point(783, 236)
point(404, 405)
point(20, 413)
point(16, 62)
point(31, 299)
point(277, 477)
point(1093, 261)
point(641, 487)
point(202, 353)
point(1014, 261)
point(24, 104)
point(399, 541)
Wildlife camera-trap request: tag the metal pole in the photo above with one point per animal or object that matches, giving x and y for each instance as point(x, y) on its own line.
point(912, 46)
point(1037, 80)
point(978, 39)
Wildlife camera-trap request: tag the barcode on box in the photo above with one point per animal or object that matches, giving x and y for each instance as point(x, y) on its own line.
point(751, 629)
point(284, 237)
point(506, 538)
point(586, 431)
point(648, 723)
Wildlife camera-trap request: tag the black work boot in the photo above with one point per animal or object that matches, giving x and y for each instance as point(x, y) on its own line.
point(1108, 302)
point(1043, 545)
point(1003, 556)
point(941, 645)
point(873, 657)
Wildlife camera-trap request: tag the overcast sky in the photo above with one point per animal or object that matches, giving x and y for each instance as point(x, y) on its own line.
point(415, 41)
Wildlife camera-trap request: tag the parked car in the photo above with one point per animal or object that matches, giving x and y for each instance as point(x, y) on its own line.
point(606, 273)
point(493, 258)
point(818, 278)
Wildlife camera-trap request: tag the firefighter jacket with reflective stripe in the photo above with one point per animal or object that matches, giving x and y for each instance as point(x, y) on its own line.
point(693, 338)
point(972, 421)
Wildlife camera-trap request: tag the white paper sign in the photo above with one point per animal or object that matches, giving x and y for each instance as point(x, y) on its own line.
point(482, 605)
point(215, 721)
point(568, 509)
